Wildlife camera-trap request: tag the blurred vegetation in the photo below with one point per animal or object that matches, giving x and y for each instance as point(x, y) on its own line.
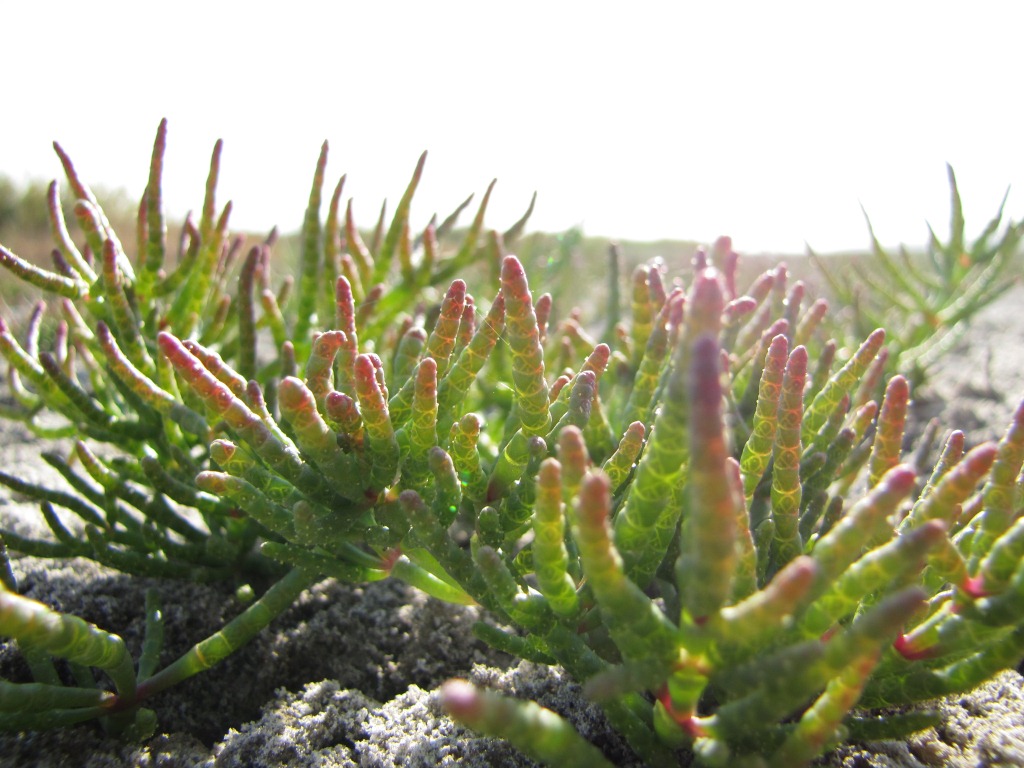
point(22, 207)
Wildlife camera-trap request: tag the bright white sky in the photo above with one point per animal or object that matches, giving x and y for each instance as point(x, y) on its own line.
point(772, 122)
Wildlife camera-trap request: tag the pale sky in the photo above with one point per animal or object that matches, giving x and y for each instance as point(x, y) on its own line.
point(771, 122)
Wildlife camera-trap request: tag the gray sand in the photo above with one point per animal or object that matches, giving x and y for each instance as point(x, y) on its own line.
point(347, 676)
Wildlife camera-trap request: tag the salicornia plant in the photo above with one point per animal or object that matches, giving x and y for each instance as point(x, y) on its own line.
point(139, 474)
point(727, 598)
point(699, 514)
point(108, 382)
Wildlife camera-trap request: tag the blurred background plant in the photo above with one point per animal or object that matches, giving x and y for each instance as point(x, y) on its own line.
point(926, 300)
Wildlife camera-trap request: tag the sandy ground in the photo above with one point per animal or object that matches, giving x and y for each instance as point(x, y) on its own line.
point(347, 676)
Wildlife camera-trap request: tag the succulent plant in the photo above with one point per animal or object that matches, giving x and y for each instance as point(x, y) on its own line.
point(703, 516)
point(144, 444)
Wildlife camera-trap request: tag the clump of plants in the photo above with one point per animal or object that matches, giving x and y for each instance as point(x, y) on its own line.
point(702, 514)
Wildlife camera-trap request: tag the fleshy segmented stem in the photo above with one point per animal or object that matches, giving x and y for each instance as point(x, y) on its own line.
point(527, 356)
point(707, 562)
point(786, 489)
